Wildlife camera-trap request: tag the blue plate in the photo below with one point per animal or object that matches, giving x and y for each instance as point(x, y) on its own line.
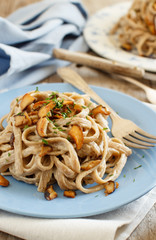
point(22, 198)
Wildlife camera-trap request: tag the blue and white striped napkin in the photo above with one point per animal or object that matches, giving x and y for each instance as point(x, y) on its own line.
point(29, 35)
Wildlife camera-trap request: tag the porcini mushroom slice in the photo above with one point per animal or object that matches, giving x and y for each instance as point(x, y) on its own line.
point(50, 194)
point(109, 187)
point(68, 102)
point(40, 104)
point(28, 118)
point(69, 194)
point(77, 108)
point(20, 120)
point(76, 133)
point(45, 150)
point(41, 127)
point(99, 109)
point(3, 181)
point(127, 46)
point(89, 164)
point(26, 100)
point(45, 109)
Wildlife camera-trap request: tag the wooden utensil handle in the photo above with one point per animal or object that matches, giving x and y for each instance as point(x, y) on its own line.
point(98, 63)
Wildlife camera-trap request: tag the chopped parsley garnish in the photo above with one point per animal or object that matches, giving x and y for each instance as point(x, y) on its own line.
point(36, 90)
point(138, 167)
point(56, 125)
point(59, 128)
point(69, 138)
point(9, 154)
point(64, 114)
point(48, 119)
point(124, 175)
point(69, 110)
point(20, 114)
point(45, 141)
point(46, 103)
point(17, 100)
point(89, 105)
point(59, 104)
point(48, 114)
point(105, 128)
point(110, 175)
point(25, 127)
point(67, 124)
point(83, 106)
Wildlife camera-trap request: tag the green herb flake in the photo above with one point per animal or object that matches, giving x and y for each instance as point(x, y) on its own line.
point(67, 124)
point(134, 180)
point(17, 100)
point(69, 138)
point(56, 125)
point(20, 114)
point(110, 175)
point(105, 129)
point(48, 119)
point(61, 129)
point(36, 90)
point(83, 106)
point(9, 154)
point(96, 196)
point(55, 132)
point(89, 105)
point(138, 167)
point(48, 114)
point(69, 110)
point(143, 156)
point(124, 175)
point(25, 127)
point(44, 141)
point(64, 114)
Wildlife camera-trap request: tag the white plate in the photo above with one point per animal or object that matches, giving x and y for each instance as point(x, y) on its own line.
point(97, 36)
point(22, 198)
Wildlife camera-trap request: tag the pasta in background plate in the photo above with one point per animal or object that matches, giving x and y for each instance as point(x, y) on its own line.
point(137, 29)
point(60, 137)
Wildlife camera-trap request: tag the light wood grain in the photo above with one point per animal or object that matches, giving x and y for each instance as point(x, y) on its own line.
point(147, 228)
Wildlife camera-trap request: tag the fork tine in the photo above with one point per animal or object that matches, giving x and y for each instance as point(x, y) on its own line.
point(135, 140)
point(134, 145)
point(141, 137)
point(145, 134)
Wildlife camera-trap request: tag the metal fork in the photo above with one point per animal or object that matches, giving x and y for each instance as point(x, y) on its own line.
point(124, 129)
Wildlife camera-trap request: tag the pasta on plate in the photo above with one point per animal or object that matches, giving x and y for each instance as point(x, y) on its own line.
point(136, 31)
point(60, 137)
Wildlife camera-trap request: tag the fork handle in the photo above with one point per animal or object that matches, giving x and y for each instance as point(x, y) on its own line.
point(98, 63)
point(72, 77)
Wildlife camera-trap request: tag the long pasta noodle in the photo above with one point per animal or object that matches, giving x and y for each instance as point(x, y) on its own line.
point(136, 31)
point(37, 144)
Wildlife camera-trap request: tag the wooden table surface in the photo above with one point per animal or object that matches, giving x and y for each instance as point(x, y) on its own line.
point(147, 228)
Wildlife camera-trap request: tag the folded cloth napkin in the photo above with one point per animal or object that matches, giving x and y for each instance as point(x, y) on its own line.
point(116, 225)
point(29, 35)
